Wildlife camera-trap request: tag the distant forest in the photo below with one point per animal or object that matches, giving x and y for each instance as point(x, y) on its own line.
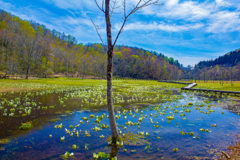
point(30, 49)
point(226, 67)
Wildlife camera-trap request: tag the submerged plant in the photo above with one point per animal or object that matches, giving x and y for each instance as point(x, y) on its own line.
point(101, 155)
point(102, 136)
point(92, 116)
point(202, 130)
point(26, 126)
point(68, 155)
point(170, 117)
point(74, 147)
point(175, 149)
point(86, 147)
point(214, 125)
point(87, 133)
point(62, 138)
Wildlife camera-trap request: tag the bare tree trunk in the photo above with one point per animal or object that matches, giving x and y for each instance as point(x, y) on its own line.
point(110, 45)
point(28, 64)
point(67, 66)
point(231, 76)
point(109, 74)
point(27, 72)
point(46, 72)
point(114, 151)
point(204, 76)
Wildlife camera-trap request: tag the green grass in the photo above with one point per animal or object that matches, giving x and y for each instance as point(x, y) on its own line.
point(215, 85)
point(72, 92)
point(8, 85)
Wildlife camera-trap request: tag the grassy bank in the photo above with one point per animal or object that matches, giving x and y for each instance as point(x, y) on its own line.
point(8, 85)
point(216, 85)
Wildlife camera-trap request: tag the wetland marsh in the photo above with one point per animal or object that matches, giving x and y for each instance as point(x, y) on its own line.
point(156, 121)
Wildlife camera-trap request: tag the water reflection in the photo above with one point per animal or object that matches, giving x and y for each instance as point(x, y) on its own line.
point(164, 135)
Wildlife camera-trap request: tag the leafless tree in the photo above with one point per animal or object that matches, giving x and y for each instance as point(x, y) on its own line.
point(108, 7)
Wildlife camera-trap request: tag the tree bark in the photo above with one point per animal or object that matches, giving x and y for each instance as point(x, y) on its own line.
point(28, 63)
point(27, 72)
point(113, 125)
point(114, 151)
point(231, 76)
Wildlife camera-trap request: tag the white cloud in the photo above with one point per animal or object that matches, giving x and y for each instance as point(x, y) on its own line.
point(159, 26)
point(224, 21)
point(172, 2)
point(187, 10)
point(222, 3)
point(214, 14)
point(5, 4)
point(76, 21)
point(73, 4)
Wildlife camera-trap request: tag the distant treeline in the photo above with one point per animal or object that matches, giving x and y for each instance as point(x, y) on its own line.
point(30, 49)
point(226, 67)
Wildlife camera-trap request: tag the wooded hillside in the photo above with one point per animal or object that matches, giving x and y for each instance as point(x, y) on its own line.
point(226, 67)
point(30, 49)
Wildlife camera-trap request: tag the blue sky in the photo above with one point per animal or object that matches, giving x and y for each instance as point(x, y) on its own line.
point(187, 30)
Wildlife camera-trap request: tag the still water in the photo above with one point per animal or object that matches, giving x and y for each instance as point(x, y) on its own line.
point(193, 127)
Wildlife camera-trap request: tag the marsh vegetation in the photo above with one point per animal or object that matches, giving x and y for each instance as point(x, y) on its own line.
point(68, 118)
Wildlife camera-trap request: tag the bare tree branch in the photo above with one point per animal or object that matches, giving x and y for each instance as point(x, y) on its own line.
point(120, 31)
point(138, 6)
point(102, 6)
point(97, 30)
point(124, 8)
point(113, 7)
point(141, 4)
